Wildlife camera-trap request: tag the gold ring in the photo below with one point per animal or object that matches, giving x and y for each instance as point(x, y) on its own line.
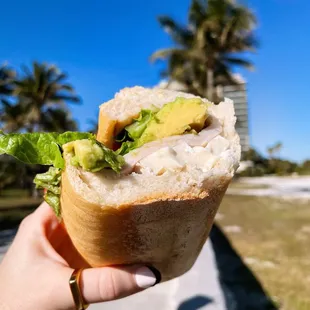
point(74, 283)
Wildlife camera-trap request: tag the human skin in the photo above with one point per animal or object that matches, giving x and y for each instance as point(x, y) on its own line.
point(35, 271)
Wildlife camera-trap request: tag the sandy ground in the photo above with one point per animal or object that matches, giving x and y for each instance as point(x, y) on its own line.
point(284, 187)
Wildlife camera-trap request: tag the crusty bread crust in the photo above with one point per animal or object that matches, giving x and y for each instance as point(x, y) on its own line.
point(165, 232)
point(106, 128)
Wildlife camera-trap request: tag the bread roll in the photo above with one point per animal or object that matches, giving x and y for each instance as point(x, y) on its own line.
point(161, 210)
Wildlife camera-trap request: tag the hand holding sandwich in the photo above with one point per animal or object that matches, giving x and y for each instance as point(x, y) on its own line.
point(36, 270)
point(143, 191)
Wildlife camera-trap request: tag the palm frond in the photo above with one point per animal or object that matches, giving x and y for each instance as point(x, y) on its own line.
point(58, 120)
point(62, 97)
point(181, 35)
point(67, 87)
point(26, 71)
point(60, 77)
point(238, 62)
point(197, 13)
point(165, 53)
point(41, 87)
point(7, 76)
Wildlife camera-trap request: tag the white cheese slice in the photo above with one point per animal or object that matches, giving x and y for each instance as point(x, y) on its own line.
point(217, 145)
point(162, 160)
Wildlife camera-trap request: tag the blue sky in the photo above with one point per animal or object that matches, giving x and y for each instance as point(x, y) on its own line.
point(105, 46)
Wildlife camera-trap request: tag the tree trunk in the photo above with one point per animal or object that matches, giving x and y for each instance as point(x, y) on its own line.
point(210, 84)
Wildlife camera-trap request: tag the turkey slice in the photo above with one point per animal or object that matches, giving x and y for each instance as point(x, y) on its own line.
point(201, 139)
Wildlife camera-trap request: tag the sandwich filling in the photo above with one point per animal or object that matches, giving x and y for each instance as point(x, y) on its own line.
point(181, 135)
point(182, 116)
point(180, 163)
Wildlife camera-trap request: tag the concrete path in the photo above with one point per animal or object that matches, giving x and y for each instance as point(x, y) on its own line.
point(197, 289)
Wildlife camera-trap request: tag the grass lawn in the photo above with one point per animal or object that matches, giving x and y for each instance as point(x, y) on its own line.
point(16, 198)
point(14, 206)
point(12, 218)
point(274, 240)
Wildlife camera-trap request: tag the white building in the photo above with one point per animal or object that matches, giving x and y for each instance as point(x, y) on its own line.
point(237, 93)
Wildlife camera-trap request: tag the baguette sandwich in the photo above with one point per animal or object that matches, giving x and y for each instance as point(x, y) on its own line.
point(146, 189)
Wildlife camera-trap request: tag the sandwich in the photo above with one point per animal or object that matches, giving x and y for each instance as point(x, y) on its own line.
point(147, 187)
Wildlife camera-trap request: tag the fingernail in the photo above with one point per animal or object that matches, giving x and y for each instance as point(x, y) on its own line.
point(156, 273)
point(145, 277)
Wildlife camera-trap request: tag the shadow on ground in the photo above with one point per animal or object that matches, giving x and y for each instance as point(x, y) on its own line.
point(195, 303)
point(242, 291)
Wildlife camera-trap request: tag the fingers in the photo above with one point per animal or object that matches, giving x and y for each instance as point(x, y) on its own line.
point(109, 283)
point(44, 212)
point(63, 245)
point(43, 219)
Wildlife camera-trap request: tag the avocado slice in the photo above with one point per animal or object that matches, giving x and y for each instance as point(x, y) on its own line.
point(176, 118)
point(93, 156)
point(181, 116)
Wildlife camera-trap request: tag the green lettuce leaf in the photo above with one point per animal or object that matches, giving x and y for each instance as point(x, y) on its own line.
point(46, 149)
point(136, 129)
point(39, 148)
point(131, 133)
point(126, 147)
point(50, 181)
point(114, 160)
point(69, 136)
point(54, 202)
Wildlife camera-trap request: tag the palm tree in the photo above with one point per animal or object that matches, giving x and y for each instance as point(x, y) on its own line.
point(7, 76)
point(43, 92)
point(58, 120)
point(12, 116)
point(35, 100)
point(274, 149)
point(208, 48)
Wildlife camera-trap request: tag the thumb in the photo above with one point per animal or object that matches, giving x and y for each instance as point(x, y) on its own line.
point(109, 283)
